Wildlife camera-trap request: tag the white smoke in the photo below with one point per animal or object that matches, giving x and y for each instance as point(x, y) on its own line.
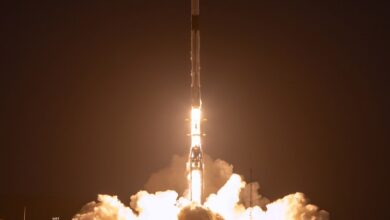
point(229, 198)
point(173, 177)
point(295, 206)
point(107, 208)
point(250, 196)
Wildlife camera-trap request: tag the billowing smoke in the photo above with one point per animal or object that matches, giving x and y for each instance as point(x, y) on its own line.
point(197, 213)
point(107, 208)
point(173, 177)
point(229, 198)
point(250, 196)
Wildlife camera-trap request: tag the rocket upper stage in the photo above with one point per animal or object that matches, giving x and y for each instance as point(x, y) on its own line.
point(195, 55)
point(195, 7)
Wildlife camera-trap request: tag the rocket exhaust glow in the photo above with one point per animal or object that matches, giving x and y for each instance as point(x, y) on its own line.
point(195, 161)
point(230, 200)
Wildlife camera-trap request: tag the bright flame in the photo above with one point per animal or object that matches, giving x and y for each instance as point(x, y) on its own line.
point(196, 186)
point(195, 162)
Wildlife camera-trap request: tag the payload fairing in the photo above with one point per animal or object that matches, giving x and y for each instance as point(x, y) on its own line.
point(195, 163)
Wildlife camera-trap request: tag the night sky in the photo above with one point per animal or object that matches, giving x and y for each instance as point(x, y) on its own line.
point(94, 96)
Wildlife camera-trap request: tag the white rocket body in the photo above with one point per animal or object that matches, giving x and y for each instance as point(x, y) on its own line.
point(196, 164)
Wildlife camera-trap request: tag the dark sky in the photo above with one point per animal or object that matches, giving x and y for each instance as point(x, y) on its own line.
point(94, 95)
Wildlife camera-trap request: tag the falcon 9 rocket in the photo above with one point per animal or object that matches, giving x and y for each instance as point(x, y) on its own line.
point(195, 161)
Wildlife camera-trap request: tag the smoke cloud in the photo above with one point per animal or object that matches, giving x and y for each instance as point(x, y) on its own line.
point(198, 213)
point(249, 196)
point(229, 198)
point(217, 172)
point(107, 208)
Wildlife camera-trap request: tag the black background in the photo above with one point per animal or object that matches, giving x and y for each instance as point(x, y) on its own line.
point(94, 95)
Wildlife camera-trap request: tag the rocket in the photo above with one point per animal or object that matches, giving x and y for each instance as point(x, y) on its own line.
point(195, 160)
point(195, 54)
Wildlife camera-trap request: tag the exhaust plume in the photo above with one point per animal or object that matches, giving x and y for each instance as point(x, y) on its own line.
point(228, 200)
